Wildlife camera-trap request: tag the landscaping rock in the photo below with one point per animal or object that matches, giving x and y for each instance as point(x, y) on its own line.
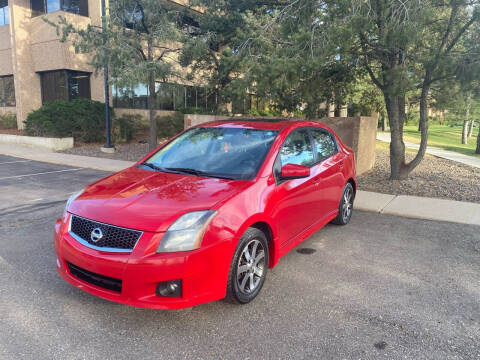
point(434, 177)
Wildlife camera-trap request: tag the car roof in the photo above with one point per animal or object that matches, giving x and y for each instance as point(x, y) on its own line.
point(260, 123)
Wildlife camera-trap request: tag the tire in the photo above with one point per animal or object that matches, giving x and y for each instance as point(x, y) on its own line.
point(246, 268)
point(345, 208)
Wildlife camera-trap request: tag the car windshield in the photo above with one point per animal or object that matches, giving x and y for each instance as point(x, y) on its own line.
point(233, 153)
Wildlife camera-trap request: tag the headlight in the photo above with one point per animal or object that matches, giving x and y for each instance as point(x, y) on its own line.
point(70, 199)
point(186, 232)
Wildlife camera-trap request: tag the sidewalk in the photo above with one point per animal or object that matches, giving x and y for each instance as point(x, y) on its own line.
point(445, 154)
point(64, 159)
point(399, 205)
point(419, 207)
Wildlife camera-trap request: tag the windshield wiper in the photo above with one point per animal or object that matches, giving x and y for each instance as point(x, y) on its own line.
point(152, 166)
point(187, 171)
point(198, 173)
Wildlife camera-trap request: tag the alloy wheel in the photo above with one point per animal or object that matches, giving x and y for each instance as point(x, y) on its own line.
point(347, 203)
point(251, 267)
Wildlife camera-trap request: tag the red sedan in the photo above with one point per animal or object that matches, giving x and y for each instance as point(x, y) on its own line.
point(206, 214)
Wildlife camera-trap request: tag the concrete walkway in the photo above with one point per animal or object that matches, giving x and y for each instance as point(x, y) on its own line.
point(419, 207)
point(401, 205)
point(64, 159)
point(445, 154)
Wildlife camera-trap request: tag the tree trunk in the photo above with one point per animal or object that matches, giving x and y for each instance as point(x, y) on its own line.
point(397, 147)
point(466, 122)
point(477, 151)
point(470, 128)
point(152, 100)
point(464, 131)
point(384, 122)
point(399, 169)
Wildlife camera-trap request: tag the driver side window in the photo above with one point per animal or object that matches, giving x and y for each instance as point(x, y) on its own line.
point(297, 149)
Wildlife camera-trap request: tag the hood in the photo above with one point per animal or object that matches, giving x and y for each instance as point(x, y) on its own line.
point(151, 200)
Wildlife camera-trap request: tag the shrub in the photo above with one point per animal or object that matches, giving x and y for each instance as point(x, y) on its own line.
point(83, 119)
point(167, 126)
point(127, 126)
point(8, 121)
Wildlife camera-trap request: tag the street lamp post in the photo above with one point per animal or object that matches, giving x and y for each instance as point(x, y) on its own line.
point(108, 147)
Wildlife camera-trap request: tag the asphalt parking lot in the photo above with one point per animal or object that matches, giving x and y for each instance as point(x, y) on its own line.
point(382, 287)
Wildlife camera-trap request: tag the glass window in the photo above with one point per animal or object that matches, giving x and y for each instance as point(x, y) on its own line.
point(217, 152)
point(297, 149)
point(7, 91)
point(132, 16)
point(53, 5)
point(190, 96)
point(325, 145)
point(165, 95)
point(130, 98)
point(4, 20)
point(170, 96)
point(54, 86)
point(122, 97)
point(78, 85)
point(201, 98)
point(211, 100)
point(64, 85)
point(40, 7)
point(178, 96)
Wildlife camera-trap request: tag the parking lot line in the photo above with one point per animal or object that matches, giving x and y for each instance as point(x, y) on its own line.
point(16, 161)
point(42, 173)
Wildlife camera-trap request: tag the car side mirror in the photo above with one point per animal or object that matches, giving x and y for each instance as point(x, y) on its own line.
point(294, 171)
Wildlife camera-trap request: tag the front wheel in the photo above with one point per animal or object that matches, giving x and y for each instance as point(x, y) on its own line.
point(249, 266)
point(345, 208)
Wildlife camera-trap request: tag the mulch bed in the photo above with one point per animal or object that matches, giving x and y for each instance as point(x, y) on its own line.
point(129, 152)
point(434, 177)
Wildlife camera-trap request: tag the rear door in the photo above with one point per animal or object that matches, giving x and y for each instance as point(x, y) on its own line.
point(328, 171)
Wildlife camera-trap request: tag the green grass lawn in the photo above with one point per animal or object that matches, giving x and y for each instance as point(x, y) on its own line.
point(445, 137)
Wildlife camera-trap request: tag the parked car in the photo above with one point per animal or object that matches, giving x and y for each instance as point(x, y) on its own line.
point(206, 214)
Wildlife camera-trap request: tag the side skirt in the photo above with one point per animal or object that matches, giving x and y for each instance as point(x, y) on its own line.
point(304, 235)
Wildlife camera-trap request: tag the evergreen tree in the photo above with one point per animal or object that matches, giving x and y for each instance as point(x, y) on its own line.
point(140, 40)
point(403, 46)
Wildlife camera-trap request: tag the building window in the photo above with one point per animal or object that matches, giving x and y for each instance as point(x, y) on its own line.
point(40, 7)
point(169, 97)
point(4, 13)
point(64, 85)
point(7, 91)
point(241, 104)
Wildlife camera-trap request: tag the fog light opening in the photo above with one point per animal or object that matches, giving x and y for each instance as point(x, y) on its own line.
point(169, 288)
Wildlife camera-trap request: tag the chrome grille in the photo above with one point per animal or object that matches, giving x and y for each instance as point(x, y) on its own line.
point(114, 238)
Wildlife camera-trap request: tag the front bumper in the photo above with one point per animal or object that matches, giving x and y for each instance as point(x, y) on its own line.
point(203, 272)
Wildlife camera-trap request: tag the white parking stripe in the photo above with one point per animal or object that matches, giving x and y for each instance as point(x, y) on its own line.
point(42, 173)
point(17, 161)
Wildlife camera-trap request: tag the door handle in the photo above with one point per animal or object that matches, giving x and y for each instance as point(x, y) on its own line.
point(340, 164)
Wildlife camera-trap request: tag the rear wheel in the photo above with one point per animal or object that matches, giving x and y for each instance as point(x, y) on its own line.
point(248, 269)
point(345, 208)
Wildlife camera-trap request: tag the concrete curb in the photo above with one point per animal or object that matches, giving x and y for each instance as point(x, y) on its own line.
point(419, 207)
point(45, 143)
point(399, 205)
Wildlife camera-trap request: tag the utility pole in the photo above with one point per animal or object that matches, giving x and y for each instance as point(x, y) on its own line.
point(108, 147)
